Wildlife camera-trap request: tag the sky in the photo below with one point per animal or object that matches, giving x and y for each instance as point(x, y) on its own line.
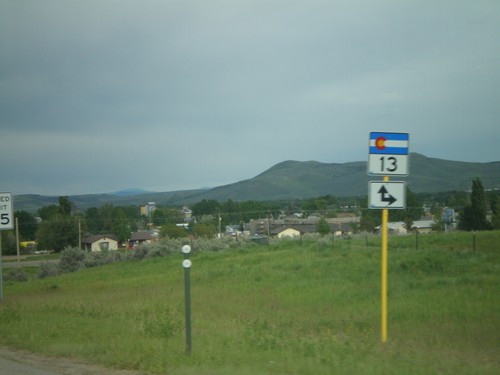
point(103, 95)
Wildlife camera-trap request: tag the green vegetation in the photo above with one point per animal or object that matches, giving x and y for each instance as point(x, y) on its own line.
point(309, 306)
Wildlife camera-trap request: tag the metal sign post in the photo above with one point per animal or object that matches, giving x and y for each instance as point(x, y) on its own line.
point(385, 216)
point(388, 156)
point(186, 263)
point(6, 223)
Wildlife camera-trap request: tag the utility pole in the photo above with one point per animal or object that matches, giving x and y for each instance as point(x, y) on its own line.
point(79, 235)
point(17, 240)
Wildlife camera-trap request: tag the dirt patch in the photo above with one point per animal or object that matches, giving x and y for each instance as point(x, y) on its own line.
point(24, 362)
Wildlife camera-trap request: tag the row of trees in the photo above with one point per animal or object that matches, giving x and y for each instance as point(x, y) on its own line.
point(60, 227)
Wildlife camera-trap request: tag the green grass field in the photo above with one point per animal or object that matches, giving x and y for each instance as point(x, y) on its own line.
point(294, 307)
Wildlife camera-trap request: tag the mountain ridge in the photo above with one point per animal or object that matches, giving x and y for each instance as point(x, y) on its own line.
point(291, 179)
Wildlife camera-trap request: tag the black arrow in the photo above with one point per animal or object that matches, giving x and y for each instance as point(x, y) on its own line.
point(385, 196)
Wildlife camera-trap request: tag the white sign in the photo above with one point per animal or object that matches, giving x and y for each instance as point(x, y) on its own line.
point(388, 165)
point(6, 211)
point(388, 154)
point(390, 195)
point(186, 249)
point(186, 263)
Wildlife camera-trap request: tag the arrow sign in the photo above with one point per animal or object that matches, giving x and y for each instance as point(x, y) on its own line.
point(385, 196)
point(390, 195)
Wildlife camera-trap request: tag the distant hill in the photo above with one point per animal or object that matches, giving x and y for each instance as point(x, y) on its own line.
point(130, 192)
point(299, 180)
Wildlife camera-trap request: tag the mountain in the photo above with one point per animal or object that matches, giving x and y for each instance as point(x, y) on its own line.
point(129, 192)
point(299, 180)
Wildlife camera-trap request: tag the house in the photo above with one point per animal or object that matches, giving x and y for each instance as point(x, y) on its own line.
point(286, 231)
point(341, 229)
point(296, 230)
point(423, 226)
point(141, 237)
point(399, 227)
point(100, 242)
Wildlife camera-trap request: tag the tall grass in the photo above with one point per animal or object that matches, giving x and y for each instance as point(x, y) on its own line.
point(309, 306)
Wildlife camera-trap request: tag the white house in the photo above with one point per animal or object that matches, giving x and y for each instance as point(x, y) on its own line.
point(399, 227)
point(286, 231)
point(100, 242)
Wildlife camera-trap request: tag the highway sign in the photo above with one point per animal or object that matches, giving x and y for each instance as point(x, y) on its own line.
point(6, 212)
point(391, 195)
point(388, 154)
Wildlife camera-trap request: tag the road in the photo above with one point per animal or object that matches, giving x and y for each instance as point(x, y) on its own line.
point(18, 362)
point(27, 263)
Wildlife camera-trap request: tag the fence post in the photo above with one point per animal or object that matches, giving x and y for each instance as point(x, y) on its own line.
point(416, 238)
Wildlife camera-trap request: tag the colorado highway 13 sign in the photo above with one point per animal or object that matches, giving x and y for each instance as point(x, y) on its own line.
point(388, 154)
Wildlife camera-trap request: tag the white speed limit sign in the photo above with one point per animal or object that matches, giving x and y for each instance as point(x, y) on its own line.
point(6, 212)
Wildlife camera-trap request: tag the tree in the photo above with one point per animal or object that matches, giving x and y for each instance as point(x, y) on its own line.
point(159, 217)
point(120, 226)
point(47, 212)
point(59, 229)
point(323, 227)
point(206, 207)
point(173, 231)
point(64, 206)
point(93, 220)
point(495, 210)
point(57, 233)
point(27, 225)
point(473, 216)
point(204, 231)
point(368, 221)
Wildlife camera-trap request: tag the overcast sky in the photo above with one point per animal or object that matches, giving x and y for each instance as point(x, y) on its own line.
point(99, 96)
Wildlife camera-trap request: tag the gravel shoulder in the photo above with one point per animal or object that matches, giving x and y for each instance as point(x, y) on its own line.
point(20, 362)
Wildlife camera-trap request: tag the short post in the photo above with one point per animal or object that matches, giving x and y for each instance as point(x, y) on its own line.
point(416, 238)
point(186, 263)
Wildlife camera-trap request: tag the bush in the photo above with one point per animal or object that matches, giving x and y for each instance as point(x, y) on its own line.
point(164, 247)
point(47, 270)
point(72, 259)
point(95, 259)
point(16, 274)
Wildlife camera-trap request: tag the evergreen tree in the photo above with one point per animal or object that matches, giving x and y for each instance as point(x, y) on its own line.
point(495, 210)
point(323, 227)
point(473, 216)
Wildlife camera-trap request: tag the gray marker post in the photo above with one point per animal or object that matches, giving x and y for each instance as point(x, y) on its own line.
point(186, 263)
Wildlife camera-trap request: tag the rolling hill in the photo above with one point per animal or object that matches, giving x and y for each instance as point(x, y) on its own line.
point(300, 180)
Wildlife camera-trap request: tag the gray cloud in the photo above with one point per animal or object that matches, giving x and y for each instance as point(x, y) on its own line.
point(102, 95)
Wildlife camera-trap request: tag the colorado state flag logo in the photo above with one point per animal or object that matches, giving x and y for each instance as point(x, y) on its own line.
point(389, 143)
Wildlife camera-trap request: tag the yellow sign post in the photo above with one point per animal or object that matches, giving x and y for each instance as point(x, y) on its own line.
point(388, 156)
point(385, 216)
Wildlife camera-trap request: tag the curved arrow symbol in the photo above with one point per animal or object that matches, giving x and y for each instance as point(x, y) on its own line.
point(385, 196)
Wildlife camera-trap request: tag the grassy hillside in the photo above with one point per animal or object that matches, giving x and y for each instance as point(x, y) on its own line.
point(301, 180)
point(295, 307)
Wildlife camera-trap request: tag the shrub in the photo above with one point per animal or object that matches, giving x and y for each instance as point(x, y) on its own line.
point(100, 258)
point(72, 259)
point(47, 269)
point(16, 274)
point(139, 252)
